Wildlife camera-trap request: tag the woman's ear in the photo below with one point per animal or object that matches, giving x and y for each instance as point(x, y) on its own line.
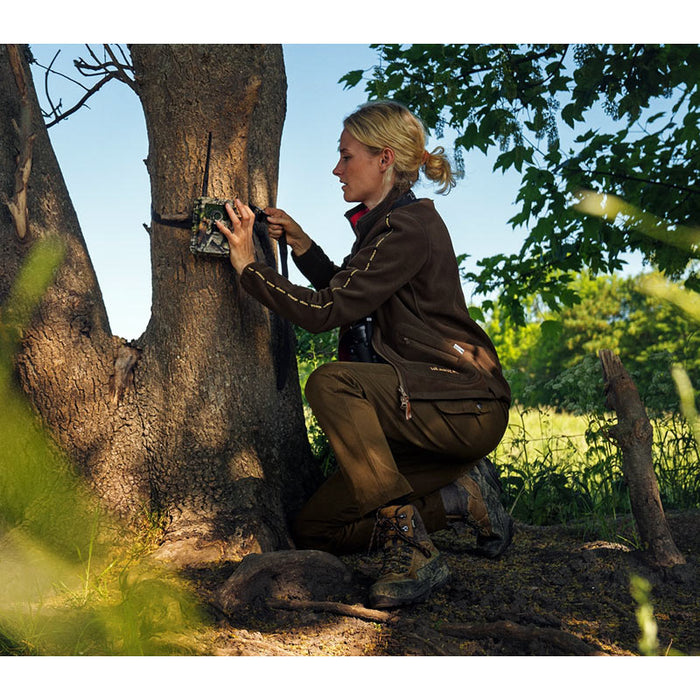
point(387, 159)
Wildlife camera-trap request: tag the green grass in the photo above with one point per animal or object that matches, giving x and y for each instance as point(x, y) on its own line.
point(558, 467)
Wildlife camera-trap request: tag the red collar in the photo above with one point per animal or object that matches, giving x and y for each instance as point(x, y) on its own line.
point(356, 216)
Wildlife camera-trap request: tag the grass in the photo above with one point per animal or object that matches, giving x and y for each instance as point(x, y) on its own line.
point(559, 467)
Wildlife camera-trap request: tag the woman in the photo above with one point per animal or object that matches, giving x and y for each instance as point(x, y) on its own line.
point(410, 413)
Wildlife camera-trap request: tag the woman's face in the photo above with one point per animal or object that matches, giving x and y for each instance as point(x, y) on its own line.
point(363, 175)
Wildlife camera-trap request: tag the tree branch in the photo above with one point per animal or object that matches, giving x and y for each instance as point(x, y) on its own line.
point(622, 176)
point(18, 204)
point(113, 68)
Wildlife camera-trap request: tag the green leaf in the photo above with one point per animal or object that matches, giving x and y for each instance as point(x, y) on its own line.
point(551, 330)
point(351, 79)
point(476, 313)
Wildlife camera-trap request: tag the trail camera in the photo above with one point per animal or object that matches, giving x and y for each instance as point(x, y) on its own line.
point(206, 238)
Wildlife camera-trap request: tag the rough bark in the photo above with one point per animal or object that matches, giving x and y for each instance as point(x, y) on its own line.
point(633, 433)
point(67, 354)
point(187, 421)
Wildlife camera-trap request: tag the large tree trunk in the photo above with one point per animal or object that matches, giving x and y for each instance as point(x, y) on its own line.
point(189, 422)
point(633, 434)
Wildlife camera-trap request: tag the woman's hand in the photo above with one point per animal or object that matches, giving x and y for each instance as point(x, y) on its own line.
point(279, 223)
point(240, 236)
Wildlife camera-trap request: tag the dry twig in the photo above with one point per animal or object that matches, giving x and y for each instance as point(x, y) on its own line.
point(328, 606)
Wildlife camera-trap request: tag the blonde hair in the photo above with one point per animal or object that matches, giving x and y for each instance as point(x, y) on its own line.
point(385, 124)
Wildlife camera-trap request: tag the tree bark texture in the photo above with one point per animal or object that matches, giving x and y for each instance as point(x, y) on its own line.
point(187, 421)
point(633, 433)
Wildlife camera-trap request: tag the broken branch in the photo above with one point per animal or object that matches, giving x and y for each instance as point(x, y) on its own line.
point(18, 204)
point(127, 357)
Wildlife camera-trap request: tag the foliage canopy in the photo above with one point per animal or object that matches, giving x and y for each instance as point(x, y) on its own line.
point(614, 119)
point(552, 359)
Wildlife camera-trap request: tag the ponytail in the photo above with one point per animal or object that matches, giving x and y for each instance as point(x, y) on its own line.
point(437, 168)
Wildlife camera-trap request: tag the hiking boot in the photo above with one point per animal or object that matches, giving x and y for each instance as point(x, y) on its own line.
point(412, 565)
point(475, 499)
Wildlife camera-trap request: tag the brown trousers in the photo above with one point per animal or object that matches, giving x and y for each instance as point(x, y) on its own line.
point(382, 456)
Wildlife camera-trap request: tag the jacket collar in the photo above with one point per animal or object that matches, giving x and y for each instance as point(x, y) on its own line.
point(397, 197)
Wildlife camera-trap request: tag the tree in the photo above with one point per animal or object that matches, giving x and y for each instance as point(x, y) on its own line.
point(619, 120)
point(552, 359)
point(187, 422)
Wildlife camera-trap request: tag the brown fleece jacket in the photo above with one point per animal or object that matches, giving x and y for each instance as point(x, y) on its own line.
point(402, 270)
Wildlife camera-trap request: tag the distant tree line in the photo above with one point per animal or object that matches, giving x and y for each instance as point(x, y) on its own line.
point(552, 359)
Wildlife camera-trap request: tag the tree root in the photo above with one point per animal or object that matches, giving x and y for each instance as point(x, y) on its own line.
point(503, 629)
point(359, 611)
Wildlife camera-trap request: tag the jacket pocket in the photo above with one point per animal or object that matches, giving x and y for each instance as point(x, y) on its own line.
point(423, 346)
point(472, 407)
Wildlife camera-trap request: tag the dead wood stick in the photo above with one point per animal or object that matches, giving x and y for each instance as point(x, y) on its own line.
point(633, 434)
point(331, 607)
point(505, 629)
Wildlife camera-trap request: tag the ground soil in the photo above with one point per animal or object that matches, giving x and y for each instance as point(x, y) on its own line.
point(557, 591)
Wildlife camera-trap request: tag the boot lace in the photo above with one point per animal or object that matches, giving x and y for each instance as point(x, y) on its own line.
point(397, 544)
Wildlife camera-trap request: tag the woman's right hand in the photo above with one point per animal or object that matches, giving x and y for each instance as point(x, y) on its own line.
point(279, 223)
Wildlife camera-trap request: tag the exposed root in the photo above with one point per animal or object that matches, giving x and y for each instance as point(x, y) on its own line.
point(327, 606)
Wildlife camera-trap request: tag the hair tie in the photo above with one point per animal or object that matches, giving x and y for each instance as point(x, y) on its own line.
point(425, 157)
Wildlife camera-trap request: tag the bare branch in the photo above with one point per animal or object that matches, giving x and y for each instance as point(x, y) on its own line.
point(122, 75)
point(107, 69)
point(54, 110)
point(82, 101)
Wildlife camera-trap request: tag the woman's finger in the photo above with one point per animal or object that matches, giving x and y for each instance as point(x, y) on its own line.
point(231, 214)
point(247, 215)
point(223, 229)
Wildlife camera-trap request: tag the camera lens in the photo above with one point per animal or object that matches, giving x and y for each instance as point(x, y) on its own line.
point(216, 215)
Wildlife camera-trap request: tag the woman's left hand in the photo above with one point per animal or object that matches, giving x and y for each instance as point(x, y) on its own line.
point(239, 236)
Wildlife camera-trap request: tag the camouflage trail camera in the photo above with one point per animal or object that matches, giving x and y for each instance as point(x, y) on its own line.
point(206, 238)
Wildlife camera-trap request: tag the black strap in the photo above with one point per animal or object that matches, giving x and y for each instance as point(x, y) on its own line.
point(184, 222)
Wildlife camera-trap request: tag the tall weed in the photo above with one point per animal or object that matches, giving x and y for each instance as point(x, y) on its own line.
point(557, 467)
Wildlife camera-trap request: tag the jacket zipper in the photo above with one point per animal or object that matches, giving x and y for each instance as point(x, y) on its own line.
point(405, 402)
point(405, 398)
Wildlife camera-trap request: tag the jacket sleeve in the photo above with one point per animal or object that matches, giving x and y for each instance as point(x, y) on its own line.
point(316, 266)
point(370, 277)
